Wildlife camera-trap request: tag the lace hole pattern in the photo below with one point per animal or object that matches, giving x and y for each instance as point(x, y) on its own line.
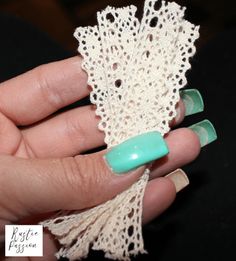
point(144, 61)
point(135, 70)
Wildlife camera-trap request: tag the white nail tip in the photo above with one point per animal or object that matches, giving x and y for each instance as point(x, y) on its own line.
point(179, 178)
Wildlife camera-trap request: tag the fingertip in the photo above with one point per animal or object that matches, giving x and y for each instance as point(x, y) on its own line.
point(179, 178)
point(184, 146)
point(194, 146)
point(169, 189)
point(187, 140)
point(159, 195)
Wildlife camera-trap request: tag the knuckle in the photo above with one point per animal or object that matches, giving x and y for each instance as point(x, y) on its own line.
point(71, 175)
point(84, 178)
point(44, 84)
point(75, 128)
point(95, 177)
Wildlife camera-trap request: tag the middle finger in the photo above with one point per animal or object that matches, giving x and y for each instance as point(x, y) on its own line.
point(71, 133)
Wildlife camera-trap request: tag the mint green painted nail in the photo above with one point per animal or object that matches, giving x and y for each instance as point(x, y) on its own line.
point(205, 131)
point(136, 152)
point(192, 100)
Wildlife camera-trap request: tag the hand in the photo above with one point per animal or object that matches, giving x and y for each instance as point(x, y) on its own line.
point(41, 169)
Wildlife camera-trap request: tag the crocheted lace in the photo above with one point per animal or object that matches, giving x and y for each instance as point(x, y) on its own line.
point(136, 70)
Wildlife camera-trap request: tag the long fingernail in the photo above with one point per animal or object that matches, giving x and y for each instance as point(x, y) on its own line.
point(205, 131)
point(136, 152)
point(192, 100)
point(179, 178)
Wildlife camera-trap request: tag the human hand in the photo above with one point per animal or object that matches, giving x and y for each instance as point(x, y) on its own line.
point(42, 170)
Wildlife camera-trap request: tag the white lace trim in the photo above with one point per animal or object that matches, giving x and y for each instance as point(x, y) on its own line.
point(136, 70)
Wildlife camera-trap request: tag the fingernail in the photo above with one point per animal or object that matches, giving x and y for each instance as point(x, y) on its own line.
point(192, 100)
point(179, 178)
point(205, 131)
point(136, 152)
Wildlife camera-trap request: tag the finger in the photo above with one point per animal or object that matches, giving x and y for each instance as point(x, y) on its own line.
point(184, 147)
point(66, 134)
point(191, 102)
point(71, 133)
point(35, 186)
point(160, 194)
point(70, 137)
point(38, 93)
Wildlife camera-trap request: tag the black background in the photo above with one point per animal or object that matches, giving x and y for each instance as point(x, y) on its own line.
point(201, 224)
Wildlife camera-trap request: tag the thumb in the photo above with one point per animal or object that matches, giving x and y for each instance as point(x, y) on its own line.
point(31, 186)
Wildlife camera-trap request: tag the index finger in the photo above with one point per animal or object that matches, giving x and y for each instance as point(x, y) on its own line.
point(38, 93)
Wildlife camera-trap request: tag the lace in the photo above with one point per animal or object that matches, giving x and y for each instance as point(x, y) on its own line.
point(136, 70)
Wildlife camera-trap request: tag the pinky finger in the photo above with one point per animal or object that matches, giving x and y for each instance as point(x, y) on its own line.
point(160, 194)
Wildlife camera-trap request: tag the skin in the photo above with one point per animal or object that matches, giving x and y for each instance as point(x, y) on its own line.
point(41, 151)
